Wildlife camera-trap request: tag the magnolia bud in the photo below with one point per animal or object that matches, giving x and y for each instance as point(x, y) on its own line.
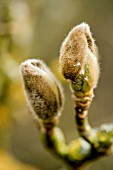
point(43, 91)
point(78, 58)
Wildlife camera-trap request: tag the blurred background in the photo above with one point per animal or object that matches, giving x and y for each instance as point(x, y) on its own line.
point(36, 29)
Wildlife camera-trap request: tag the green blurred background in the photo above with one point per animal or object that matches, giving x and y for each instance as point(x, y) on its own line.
point(36, 29)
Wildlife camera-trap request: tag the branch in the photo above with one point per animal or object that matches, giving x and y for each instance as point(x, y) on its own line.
point(78, 64)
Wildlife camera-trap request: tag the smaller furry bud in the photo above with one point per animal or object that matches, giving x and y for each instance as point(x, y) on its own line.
point(43, 91)
point(78, 58)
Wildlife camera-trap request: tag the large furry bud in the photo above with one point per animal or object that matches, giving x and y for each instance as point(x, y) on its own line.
point(43, 91)
point(79, 59)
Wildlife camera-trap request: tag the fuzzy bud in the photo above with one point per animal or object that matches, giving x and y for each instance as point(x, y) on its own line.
point(43, 91)
point(78, 58)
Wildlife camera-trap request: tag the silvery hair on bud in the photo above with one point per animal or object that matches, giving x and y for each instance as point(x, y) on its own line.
point(75, 50)
point(43, 91)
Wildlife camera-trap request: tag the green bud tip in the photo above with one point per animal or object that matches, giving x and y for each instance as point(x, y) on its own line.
point(43, 92)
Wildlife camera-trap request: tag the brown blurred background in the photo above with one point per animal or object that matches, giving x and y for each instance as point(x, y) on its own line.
point(36, 29)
